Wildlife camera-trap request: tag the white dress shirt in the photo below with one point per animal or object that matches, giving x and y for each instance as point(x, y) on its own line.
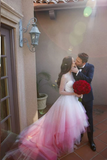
point(80, 69)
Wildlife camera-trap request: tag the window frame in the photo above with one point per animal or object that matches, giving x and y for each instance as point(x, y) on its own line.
point(12, 84)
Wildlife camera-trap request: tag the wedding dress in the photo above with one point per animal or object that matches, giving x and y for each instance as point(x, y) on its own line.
point(56, 132)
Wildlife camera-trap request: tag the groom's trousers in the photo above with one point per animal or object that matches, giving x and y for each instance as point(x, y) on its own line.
point(89, 111)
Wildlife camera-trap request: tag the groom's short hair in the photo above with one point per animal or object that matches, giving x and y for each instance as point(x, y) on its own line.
point(84, 57)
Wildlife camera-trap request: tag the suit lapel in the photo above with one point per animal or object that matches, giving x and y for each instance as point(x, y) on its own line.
point(84, 70)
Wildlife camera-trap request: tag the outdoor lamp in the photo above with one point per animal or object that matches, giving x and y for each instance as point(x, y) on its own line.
point(34, 34)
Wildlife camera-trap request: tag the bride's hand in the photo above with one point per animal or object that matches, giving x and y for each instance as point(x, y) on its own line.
point(78, 95)
point(74, 69)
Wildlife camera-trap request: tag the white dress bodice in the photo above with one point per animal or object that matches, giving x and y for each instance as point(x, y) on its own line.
point(69, 86)
point(70, 82)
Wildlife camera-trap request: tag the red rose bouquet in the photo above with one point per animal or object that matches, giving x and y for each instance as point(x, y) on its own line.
point(81, 87)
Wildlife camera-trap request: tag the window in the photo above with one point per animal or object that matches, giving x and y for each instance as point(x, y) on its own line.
point(9, 106)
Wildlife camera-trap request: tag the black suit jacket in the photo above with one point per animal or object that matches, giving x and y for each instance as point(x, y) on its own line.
point(86, 74)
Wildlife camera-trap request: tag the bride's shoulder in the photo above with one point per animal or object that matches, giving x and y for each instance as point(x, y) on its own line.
point(64, 75)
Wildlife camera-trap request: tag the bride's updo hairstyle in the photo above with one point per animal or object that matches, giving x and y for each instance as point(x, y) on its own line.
point(65, 67)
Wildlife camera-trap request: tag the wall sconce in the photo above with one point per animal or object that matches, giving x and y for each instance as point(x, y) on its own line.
point(34, 33)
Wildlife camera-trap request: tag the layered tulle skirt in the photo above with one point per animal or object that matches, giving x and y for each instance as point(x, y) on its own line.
point(55, 133)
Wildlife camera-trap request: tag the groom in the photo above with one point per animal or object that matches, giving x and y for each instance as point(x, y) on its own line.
point(85, 71)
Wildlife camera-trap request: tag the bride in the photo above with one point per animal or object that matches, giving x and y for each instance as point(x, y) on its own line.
point(57, 132)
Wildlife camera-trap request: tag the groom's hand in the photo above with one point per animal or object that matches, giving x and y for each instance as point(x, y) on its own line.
point(75, 69)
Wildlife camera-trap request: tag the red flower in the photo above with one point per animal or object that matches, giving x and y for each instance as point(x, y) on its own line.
point(81, 87)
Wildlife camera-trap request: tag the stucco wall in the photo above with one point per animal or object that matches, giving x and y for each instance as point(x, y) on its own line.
point(71, 30)
point(16, 5)
point(29, 67)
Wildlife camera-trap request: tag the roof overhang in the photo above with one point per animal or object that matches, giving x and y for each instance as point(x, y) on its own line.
point(70, 5)
point(65, 6)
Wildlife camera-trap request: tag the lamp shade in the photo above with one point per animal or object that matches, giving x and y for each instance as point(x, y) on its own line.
point(34, 33)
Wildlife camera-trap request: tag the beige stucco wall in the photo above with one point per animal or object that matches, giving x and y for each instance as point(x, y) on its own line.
point(71, 30)
point(16, 5)
point(29, 68)
point(25, 61)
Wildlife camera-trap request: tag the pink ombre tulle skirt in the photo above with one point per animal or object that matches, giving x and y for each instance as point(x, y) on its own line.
point(55, 133)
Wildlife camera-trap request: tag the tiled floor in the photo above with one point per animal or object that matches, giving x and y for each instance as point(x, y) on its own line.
point(83, 152)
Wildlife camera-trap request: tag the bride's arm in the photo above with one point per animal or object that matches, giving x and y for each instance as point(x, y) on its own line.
point(62, 87)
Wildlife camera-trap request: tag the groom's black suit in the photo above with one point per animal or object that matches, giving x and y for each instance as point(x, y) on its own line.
point(87, 74)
